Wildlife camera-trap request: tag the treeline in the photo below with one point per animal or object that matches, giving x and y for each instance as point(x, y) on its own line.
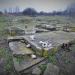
point(32, 12)
point(70, 11)
point(1, 13)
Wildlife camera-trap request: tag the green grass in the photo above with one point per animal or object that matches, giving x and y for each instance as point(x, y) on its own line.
point(4, 52)
point(8, 59)
point(3, 25)
point(52, 59)
point(43, 68)
point(20, 58)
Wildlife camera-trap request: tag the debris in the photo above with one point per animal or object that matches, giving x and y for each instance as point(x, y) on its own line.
point(32, 37)
point(33, 56)
point(28, 45)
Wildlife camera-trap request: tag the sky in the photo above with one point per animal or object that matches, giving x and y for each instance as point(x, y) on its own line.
point(39, 5)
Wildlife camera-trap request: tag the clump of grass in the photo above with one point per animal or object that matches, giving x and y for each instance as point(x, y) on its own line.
point(52, 55)
point(52, 59)
point(43, 68)
point(20, 58)
point(2, 53)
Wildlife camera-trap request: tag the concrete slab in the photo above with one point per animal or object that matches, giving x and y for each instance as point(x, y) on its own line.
point(19, 48)
point(56, 38)
point(26, 63)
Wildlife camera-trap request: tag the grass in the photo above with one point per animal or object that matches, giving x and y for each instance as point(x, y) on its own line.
point(7, 59)
point(43, 68)
point(52, 59)
point(4, 51)
point(20, 58)
point(21, 21)
point(3, 25)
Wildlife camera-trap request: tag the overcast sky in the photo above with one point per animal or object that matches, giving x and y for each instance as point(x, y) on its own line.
point(39, 5)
